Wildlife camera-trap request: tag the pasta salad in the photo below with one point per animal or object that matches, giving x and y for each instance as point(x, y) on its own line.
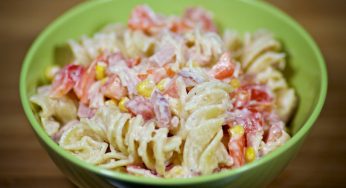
point(168, 96)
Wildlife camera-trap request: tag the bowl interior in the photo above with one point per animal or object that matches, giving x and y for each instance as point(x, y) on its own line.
point(305, 70)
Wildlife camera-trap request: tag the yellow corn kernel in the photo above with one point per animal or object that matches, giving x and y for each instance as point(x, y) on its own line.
point(250, 154)
point(237, 130)
point(51, 71)
point(235, 83)
point(194, 64)
point(122, 105)
point(104, 80)
point(145, 88)
point(162, 84)
point(100, 70)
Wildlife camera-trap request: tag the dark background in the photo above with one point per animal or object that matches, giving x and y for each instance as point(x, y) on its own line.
point(23, 163)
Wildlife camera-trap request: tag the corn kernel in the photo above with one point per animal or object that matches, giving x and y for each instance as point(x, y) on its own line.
point(162, 84)
point(51, 71)
point(104, 80)
point(235, 83)
point(237, 130)
point(145, 88)
point(194, 64)
point(250, 154)
point(100, 70)
point(122, 105)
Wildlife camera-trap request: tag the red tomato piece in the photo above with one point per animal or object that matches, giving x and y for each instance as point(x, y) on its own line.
point(169, 70)
point(258, 92)
point(224, 68)
point(240, 98)
point(236, 148)
point(251, 121)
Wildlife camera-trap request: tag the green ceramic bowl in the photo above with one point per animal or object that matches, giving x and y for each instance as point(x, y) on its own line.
point(306, 72)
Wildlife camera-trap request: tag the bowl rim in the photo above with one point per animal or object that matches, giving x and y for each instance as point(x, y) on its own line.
point(45, 139)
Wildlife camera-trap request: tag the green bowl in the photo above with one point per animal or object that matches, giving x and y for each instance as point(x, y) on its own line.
point(306, 72)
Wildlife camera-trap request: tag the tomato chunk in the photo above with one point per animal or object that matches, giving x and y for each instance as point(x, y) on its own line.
point(224, 68)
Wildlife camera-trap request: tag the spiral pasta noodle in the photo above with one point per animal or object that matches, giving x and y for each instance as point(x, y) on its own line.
point(261, 56)
point(206, 105)
point(132, 140)
point(55, 112)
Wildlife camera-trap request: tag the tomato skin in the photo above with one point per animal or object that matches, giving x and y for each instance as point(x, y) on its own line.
point(254, 97)
point(169, 71)
point(224, 68)
point(236, 147)
point(258, 92)
point(240, 98)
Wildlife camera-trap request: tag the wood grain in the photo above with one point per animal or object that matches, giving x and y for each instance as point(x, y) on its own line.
point(23, 163)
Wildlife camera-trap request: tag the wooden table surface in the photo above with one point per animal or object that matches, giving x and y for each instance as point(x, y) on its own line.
point(23, 163)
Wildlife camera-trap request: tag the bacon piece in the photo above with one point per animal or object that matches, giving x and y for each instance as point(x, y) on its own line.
point(84, 83)
point(275, 131)
point(65, 80)
point(164, 55)
point(113, 88)
point(191, 77)
point(144, 18)
point(199, 16)
point(141, 106)
point(161, 108)
point(56, 137)
point(172, 89)
point(85, 112)
point(116, 60)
